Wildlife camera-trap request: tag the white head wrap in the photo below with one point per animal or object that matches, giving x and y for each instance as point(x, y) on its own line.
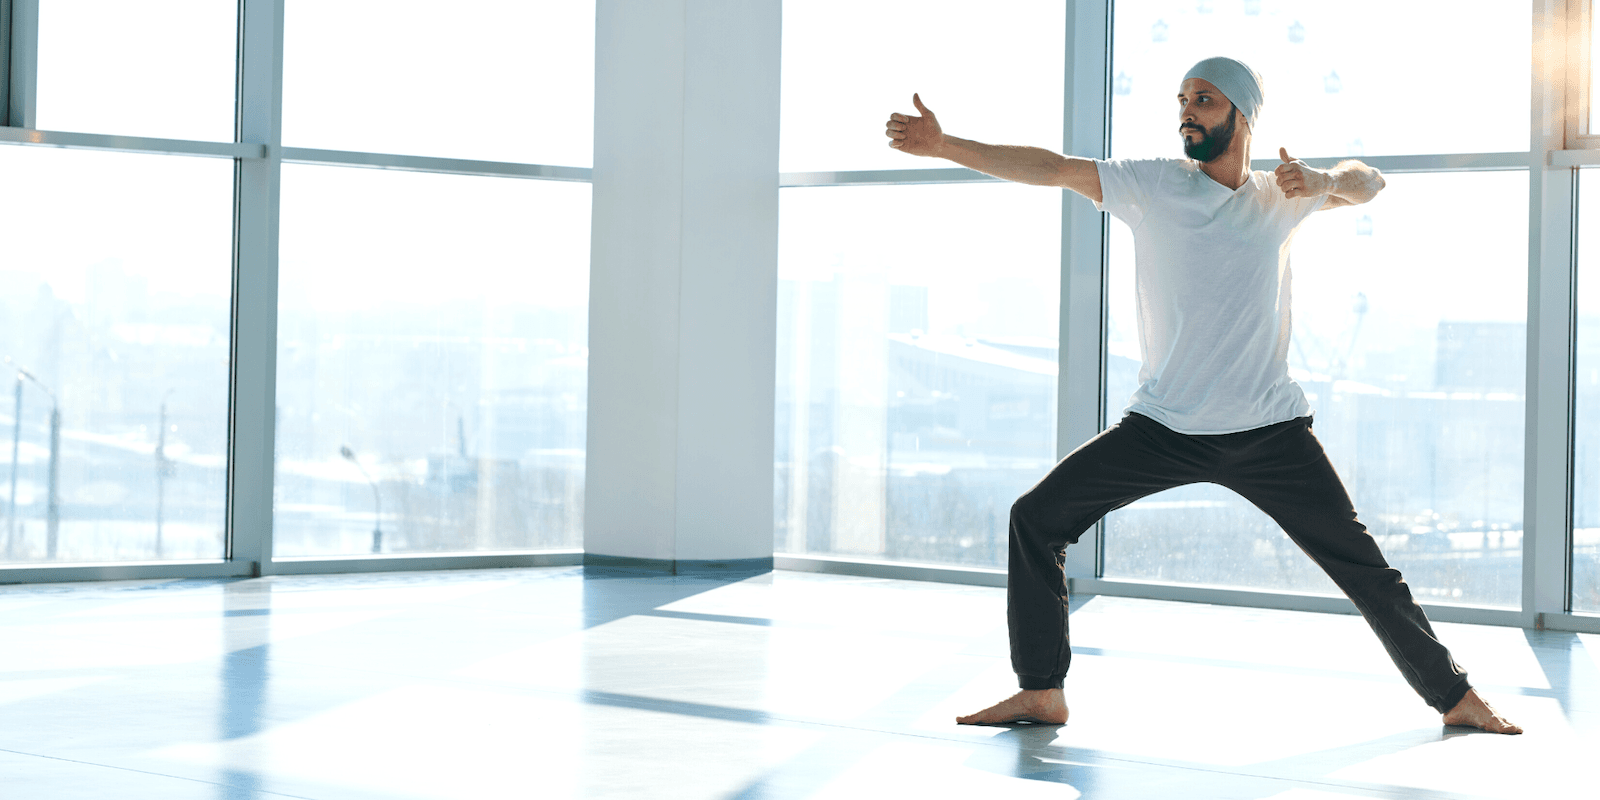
point(1237, 82)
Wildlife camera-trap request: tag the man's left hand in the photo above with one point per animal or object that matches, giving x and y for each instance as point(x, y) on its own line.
point(1296, 179)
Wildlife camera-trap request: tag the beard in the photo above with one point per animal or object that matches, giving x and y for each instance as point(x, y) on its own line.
point(1209, 146)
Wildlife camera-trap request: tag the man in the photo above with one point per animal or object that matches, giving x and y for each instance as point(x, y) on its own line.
point(1216, 403)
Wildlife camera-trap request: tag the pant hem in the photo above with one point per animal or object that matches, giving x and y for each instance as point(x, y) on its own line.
point(1453, 696)
point(1035, 682)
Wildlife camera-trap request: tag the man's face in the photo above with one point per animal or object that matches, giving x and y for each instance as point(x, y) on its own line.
point(1206, 120)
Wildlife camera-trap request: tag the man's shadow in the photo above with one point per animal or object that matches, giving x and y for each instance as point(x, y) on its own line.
point(1029, 751)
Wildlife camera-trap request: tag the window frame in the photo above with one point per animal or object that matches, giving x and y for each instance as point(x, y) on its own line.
point(1556, 150)
point(1561, 143)
point(258, 154)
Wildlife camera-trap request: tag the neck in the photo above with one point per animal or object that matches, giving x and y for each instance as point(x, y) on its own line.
point(1232, 168)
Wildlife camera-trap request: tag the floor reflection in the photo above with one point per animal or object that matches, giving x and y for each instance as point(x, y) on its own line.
point(1569, 667)
point(245, 678)
point(576, 683)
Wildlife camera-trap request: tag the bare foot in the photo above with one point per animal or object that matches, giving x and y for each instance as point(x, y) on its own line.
point(1473, 711)
point(1042, 706)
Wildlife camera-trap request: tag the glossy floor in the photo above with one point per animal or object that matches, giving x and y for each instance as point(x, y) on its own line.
point(556, 683)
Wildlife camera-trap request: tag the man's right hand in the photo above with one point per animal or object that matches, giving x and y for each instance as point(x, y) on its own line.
point(922, 136)
point(919, 136)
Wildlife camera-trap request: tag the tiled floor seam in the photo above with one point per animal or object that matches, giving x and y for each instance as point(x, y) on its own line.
point(144, 772)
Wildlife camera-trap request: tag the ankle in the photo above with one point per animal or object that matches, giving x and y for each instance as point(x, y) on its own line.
point(1047, 696)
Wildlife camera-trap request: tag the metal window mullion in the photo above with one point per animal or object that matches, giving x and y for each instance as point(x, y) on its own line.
point(21, 63)
point(1080, 382)
point(435, 164)
point(1583, 153)
point(1420, 162)
point(1212, 595)
point(118, 143)
point(257, 184)
point(5, 61)
point(1547, 469)
point(118, 571)
point(1576, 623)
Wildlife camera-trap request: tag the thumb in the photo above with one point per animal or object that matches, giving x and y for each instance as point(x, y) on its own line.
point(917, 101)
point(1284, 154)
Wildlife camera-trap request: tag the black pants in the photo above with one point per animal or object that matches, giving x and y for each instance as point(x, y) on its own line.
point(1281, 468)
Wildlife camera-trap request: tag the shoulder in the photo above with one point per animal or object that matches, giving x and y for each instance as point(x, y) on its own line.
point(1266, 187)
point(1146, 171)
point(1265, 184)
point(1150, 165)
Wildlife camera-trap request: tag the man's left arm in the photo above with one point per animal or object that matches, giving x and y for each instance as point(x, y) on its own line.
point(1349, 183)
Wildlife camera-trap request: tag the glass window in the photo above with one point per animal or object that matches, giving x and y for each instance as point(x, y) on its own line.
point(114, 335)
point(1327, 93)
point(1409, 341)
point(432, 363)
point(163, 68)
point(847, 64)
point(492, 80)
point(1586, 427)
point(917, 355)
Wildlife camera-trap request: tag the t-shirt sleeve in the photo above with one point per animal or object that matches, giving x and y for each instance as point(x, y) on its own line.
point(1305, 206)
point(1295, 208)
point(1125, 189)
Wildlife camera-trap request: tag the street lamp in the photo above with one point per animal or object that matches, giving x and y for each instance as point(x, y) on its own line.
point(16, 438)
point(377, 501)
point(53, 504)
point(164, 468)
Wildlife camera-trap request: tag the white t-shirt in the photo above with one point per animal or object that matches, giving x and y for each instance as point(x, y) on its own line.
point(1212, 282)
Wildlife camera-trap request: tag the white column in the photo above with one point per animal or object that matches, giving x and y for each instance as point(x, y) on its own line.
point(683, 286)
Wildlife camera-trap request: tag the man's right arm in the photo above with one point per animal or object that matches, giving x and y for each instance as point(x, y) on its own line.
point(922, 136)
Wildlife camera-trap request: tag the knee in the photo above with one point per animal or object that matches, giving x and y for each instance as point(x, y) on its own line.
point(1024, 510)
point(1037, 521)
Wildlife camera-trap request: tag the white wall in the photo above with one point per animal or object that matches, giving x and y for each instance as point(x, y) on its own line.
point(683, 303)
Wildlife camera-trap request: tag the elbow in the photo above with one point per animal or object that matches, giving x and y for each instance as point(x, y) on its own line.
point(1366, 190)
point(1373, 188)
